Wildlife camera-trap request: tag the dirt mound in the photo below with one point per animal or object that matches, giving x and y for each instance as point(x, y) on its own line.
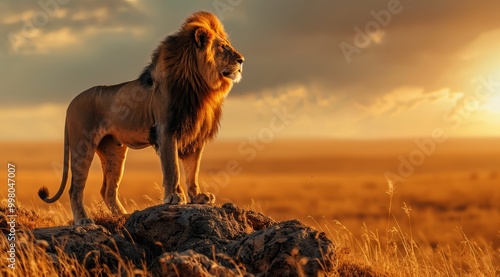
point(198, 240)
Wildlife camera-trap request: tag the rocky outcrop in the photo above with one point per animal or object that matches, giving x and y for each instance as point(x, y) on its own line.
point(201, 228)
point(286, 249)
point(93, 245)
point(198, 240)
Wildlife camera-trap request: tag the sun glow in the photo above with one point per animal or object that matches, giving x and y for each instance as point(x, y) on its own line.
point(493, 104)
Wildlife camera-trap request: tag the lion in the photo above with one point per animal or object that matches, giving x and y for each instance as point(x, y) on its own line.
point(175, 106)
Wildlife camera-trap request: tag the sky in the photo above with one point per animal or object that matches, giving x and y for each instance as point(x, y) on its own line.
point(325, 69)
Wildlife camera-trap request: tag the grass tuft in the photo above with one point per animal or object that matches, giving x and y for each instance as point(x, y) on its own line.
point(101, 216)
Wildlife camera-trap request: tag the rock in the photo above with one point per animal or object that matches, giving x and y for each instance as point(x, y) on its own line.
point(201, 228)
point(198, 240)
point(286, 249)
point(92, 245)
point(77, 241)
point(192, 264)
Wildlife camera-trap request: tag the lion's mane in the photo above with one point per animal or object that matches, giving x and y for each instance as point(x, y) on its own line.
point(194, 86)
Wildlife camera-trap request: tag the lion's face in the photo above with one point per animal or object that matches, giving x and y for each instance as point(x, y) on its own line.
point(229, 61)
point(217, 56)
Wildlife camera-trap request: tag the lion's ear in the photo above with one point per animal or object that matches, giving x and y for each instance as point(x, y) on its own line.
point(202, 36)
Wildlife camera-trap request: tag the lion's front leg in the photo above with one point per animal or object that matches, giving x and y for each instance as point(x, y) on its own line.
point(170, 168)
point(191, 167)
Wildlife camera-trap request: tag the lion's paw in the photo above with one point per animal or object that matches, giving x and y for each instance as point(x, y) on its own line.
point(175, 198)
point(203, 198)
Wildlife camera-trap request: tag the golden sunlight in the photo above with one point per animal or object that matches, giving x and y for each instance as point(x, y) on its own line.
point(493, 104)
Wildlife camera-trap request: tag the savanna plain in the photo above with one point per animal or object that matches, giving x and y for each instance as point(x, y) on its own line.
point(438, 214)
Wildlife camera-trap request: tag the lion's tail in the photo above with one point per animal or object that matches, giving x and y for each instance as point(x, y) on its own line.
point(43, 192)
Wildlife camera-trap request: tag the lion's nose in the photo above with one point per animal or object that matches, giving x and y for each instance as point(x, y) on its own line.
point(240, 60)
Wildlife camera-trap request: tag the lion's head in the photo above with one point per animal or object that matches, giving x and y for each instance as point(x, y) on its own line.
point(216, 55)
point(199, 53)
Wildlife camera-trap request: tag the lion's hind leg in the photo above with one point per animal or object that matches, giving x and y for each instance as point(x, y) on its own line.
point(112, 160)
point(81, 159)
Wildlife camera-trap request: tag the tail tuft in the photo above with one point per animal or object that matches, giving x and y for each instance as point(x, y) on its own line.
point(43, 192)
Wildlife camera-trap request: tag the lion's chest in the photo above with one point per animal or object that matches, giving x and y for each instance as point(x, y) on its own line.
point(198, 128)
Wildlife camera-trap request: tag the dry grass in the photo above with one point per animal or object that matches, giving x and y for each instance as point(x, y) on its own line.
point(33, 261)
point(397, 253)
point(394, 253)
point(442, 221)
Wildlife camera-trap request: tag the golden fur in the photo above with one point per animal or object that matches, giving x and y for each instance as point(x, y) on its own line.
point(174, 105)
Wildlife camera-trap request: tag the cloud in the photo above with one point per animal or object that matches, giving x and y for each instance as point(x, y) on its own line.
point(295, 41)
point(25, 22)
point(302, 44)
point(99, 14)
point(46, 42)
point(40, 122)
point(289, 46)
point(404, 99)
